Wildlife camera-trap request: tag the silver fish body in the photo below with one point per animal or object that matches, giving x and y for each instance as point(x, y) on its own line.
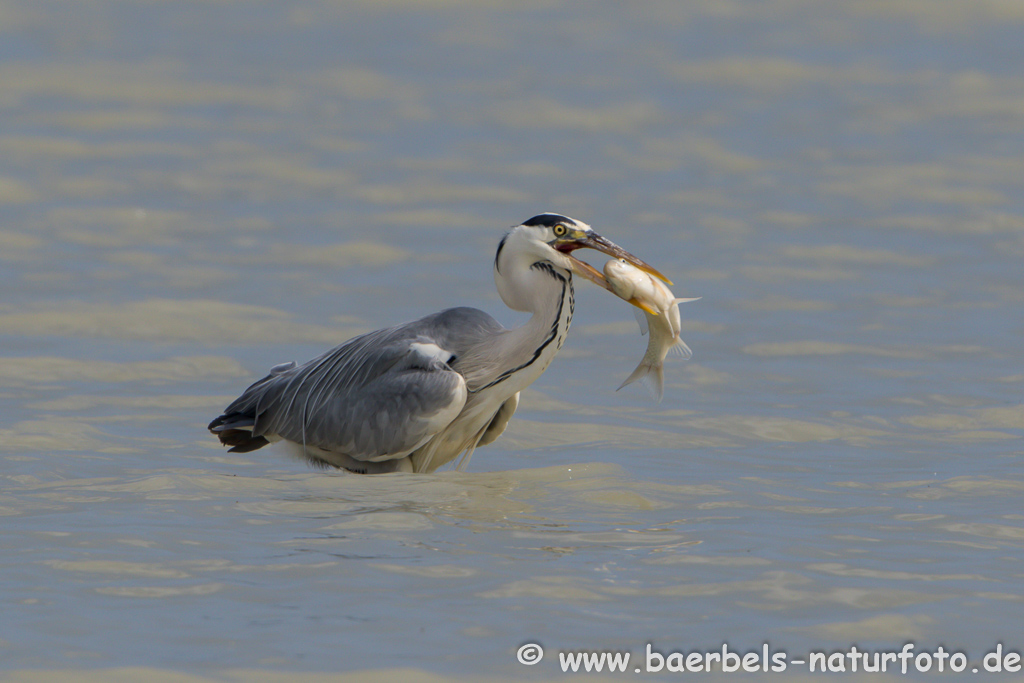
point(659, 317)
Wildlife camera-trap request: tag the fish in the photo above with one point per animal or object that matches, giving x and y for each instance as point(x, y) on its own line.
point(660, 316)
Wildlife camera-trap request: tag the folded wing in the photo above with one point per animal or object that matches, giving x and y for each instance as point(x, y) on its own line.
point(377, 397)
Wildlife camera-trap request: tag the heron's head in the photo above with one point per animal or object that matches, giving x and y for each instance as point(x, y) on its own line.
point(553, 237)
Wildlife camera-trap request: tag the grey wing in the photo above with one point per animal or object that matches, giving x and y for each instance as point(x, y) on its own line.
point(377, 397)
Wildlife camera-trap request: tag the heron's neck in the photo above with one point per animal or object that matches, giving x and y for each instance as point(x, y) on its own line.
point(554, 307)
point(533, 345)
point(528, 350)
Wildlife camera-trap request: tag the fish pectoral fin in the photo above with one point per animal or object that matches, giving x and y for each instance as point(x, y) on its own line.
point(641, 320)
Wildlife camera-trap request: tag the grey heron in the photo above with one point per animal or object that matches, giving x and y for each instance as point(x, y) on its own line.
point(413, 397)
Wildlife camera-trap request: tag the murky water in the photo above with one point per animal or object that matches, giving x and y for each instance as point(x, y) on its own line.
point(193, 192)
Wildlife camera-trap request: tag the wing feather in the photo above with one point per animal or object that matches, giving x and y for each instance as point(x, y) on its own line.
point(376, 397)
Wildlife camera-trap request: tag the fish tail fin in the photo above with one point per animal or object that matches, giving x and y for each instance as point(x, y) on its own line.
point(652, 375)
point(655, 381)
point(640, 371)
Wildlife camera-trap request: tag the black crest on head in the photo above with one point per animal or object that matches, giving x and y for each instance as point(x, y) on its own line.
point(549, 220)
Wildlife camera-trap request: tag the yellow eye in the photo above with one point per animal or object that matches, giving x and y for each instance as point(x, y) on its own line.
point(559, 230)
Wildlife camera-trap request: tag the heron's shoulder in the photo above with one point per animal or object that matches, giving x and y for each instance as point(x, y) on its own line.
point(463, 318)
point(447, 331)
point(439, 326)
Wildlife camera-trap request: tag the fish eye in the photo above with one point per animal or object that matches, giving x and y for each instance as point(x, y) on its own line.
point(560, 230)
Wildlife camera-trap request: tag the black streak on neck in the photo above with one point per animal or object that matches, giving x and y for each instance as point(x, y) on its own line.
point(553, 336)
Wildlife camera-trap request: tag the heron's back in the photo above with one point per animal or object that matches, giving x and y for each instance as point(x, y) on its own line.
point(370, 397)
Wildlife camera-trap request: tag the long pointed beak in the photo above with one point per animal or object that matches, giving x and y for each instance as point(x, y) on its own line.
point(588, 271)
point(595, 241)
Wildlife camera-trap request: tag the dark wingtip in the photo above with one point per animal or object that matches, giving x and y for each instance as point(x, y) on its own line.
point(253, 443)
point(236, 431)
